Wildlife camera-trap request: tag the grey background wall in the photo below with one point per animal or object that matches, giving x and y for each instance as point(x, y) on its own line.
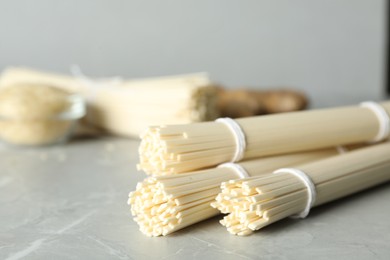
point(333, 49)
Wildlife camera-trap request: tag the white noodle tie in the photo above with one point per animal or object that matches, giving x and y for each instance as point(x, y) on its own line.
point(241, 172)
point(311, 189)
point(384, 120)
point(239, 137)
point(94, 85)
point(341, 149)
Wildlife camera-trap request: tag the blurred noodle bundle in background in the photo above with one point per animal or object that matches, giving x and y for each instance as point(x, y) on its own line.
point(127, 107)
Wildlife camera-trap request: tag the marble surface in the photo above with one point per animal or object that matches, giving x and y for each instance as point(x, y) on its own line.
point(69, 202)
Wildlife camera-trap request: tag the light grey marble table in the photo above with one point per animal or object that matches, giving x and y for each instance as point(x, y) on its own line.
point(69, 202)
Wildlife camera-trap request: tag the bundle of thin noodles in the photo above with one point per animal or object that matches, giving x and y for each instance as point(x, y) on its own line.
point(256, 202)
point(176, 149)
point(128, 107)
point(163, 204)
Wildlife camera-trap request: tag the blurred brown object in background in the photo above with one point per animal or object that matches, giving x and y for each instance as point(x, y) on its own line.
point(245, 102)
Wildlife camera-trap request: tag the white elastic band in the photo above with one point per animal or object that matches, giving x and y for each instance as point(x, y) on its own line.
point(384, 120)
point(311, 188)
point(341, 149)
point(241, 172)
point(239, 137)
point(94, 85)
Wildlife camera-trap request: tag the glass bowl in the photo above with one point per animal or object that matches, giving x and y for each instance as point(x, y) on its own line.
point(53, 129)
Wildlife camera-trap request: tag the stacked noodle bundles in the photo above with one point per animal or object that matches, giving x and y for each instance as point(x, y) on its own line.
point(174, 199)
point(175, 149)
point(164, 204)
point(127, 107)
point(256, 202)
